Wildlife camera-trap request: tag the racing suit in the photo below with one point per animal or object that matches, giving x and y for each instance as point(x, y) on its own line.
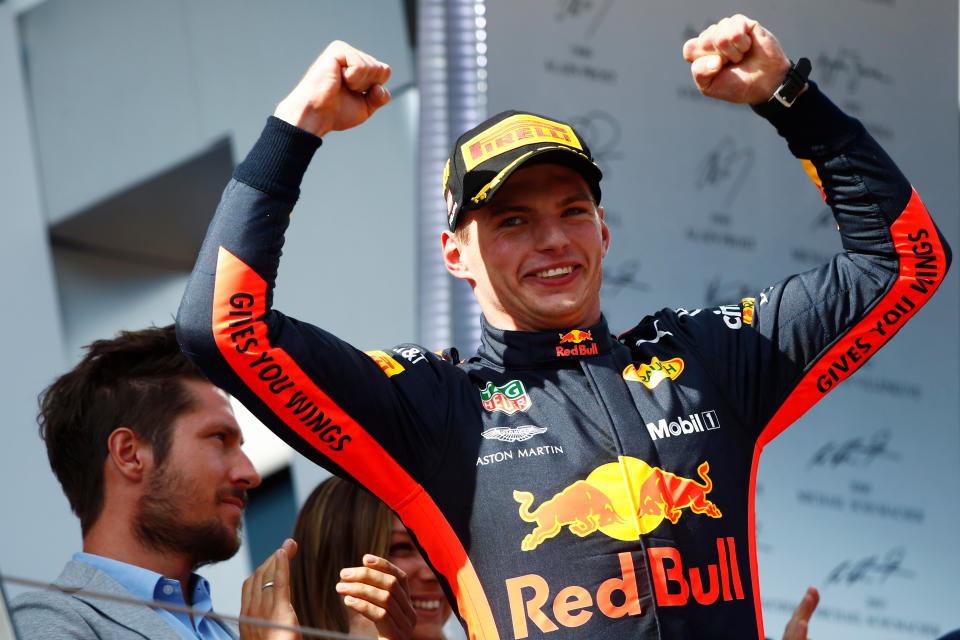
point(572, 484)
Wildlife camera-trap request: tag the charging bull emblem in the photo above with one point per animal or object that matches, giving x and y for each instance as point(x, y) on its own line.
point(603, 503)
point(664, 493)
point(576, 336)
point(580, 506)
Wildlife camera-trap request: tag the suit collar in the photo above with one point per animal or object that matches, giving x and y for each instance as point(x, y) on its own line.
point(543, 348)
point(83, 581)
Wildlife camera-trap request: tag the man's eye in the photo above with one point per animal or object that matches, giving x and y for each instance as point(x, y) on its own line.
point(573, 211)
point(511, 221)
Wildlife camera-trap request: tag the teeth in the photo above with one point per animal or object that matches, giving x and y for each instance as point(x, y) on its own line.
point(553, 273)
point(426, 604)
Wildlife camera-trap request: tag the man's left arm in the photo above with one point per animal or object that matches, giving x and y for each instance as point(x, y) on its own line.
point(842, 312)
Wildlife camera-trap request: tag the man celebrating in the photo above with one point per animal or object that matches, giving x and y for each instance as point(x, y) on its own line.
point(563, 481)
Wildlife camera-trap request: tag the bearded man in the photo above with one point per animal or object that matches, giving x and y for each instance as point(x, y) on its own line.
point(148, 454)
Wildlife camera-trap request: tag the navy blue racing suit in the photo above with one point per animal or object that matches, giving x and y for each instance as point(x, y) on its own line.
point(573, 484)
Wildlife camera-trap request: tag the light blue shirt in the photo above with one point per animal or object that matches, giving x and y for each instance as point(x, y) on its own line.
point(150, 585)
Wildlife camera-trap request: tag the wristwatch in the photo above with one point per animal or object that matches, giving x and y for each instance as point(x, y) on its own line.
point(787, 93)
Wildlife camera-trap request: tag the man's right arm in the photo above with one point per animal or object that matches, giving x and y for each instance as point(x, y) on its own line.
point(48, 614)
point(342, 408)
point(341, 89)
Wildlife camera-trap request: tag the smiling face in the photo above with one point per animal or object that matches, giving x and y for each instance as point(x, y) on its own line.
point(428, 599)
point(194, 501)
point(533, 255)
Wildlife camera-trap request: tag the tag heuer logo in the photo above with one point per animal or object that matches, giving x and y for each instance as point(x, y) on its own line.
point(516, 434)
point(509, 398)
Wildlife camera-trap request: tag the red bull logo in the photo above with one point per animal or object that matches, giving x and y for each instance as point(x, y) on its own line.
point(603, 502)
point(674, 584)
point(576, 336)
point(654, 373)
point(509, 398)
point(664, 494)
point(578, 350)
point(581, 507)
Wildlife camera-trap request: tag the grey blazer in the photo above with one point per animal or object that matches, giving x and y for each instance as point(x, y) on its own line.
point(54, 615)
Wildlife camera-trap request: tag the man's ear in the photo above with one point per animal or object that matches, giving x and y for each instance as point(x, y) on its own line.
point(128, 454)
point(453, 256)
point(604, 233)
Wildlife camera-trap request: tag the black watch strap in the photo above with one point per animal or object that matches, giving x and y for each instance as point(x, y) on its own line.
point(786, 93)
point(794, 83)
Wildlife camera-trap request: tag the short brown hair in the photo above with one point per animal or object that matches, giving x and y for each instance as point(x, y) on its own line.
point(338, 523)
point(462, 232)
point(133, 381)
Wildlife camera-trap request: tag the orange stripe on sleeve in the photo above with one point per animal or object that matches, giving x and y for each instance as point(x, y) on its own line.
point(239, 304)
point(813, 175)
point(922, 269)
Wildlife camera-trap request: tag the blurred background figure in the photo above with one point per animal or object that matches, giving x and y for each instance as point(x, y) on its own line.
point(342, 525)
point(799, 623)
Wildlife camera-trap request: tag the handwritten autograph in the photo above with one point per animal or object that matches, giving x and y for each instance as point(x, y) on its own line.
point(719, 292)
point(871, 569)
point(573, 9)
point(847, 68)
point(725, 164)
point(623, 275)
point(855, 452)
point(604, 132)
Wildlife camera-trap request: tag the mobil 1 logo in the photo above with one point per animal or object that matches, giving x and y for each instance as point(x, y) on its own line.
point(683, 425)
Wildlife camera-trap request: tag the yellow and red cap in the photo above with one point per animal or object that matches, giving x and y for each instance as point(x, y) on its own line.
point(484, 157)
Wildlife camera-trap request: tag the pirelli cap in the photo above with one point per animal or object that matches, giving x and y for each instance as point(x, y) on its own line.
point(484, 157)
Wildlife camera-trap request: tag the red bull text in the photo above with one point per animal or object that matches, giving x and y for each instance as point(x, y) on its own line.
point(577, 337)
point(673, 585)
point(578, 350)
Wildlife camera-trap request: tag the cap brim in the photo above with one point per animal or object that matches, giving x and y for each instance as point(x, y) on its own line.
point(553, 154)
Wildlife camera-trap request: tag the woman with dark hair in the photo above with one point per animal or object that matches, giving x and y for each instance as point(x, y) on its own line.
point(342, 525)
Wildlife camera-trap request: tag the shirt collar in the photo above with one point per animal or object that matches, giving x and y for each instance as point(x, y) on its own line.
point(150, 585)
point(533, 348)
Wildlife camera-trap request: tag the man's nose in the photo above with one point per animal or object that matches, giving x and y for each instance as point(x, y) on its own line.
point(550, 234)
point(245, 472)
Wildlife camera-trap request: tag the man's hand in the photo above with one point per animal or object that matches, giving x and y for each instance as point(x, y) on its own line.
point(341, 89)
point(796, 628)
point(378, 591)
point(266, 595)
point(736, 60)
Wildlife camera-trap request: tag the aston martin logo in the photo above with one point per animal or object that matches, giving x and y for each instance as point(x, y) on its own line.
point(515, 434)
